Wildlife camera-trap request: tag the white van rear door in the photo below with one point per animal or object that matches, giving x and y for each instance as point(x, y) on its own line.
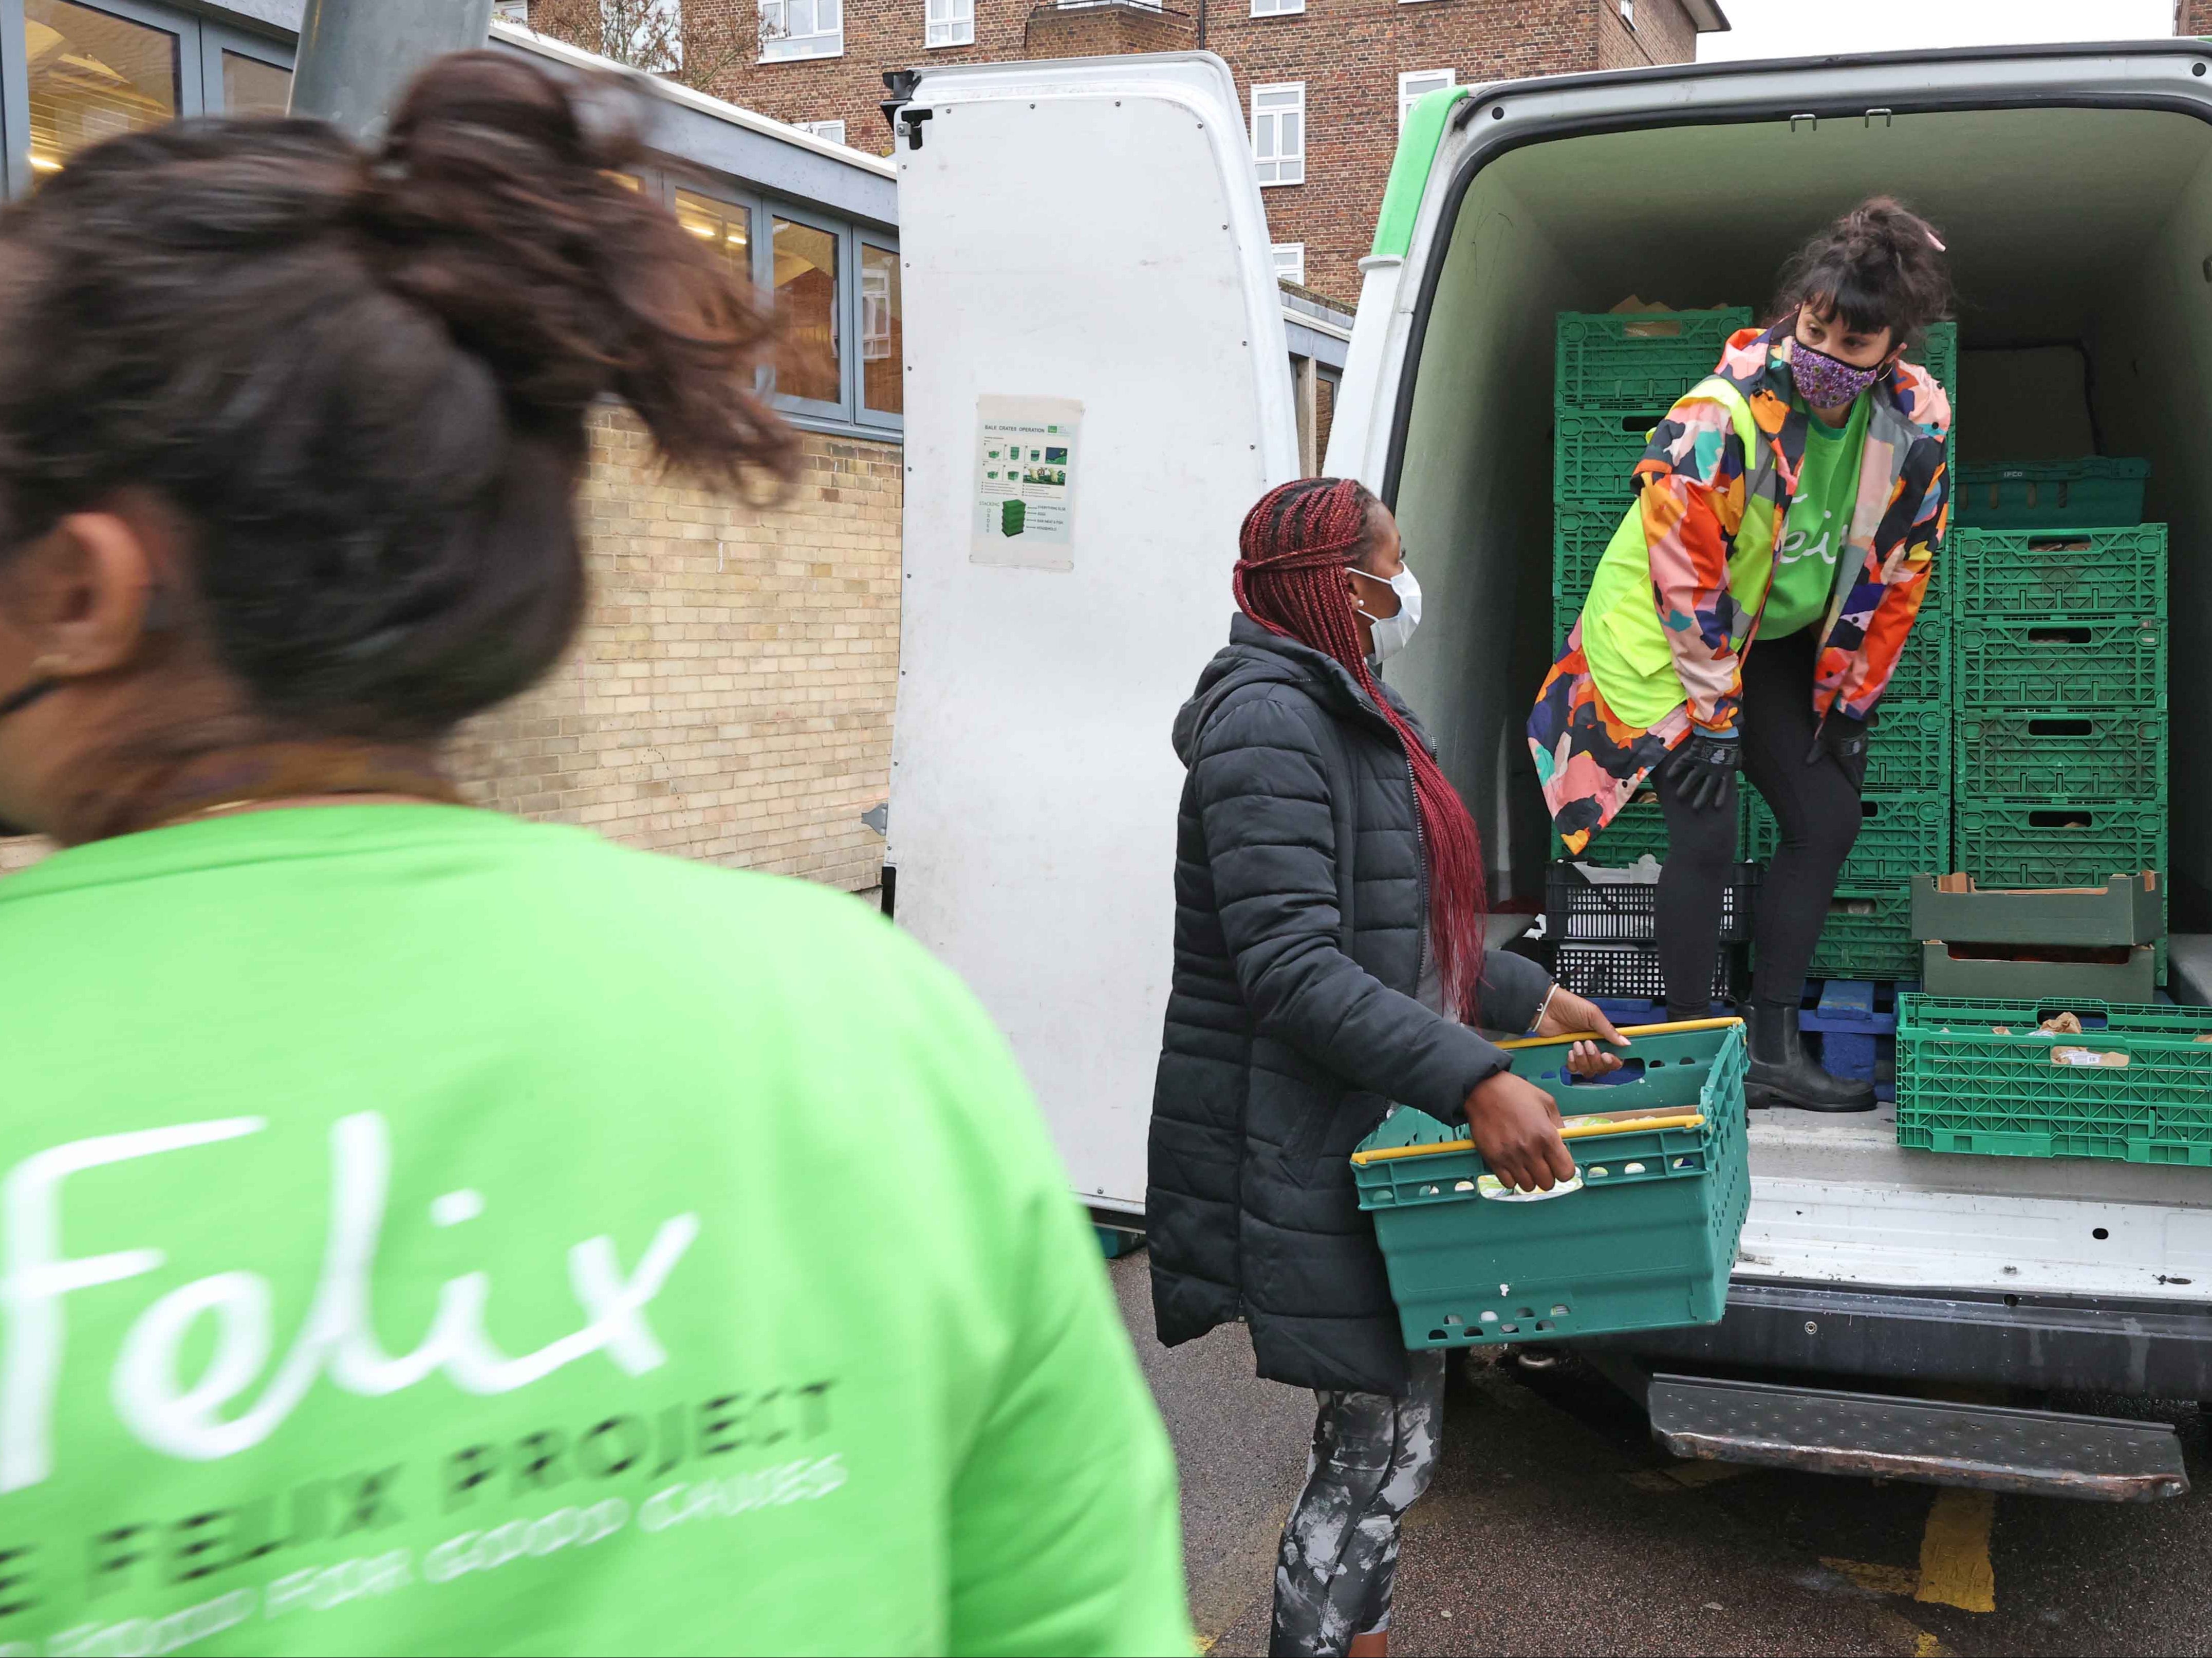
point(1090, 304)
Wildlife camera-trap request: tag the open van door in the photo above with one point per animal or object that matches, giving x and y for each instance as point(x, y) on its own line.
point(1097, 389)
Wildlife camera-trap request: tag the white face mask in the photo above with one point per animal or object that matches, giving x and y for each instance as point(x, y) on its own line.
point(1393, 633)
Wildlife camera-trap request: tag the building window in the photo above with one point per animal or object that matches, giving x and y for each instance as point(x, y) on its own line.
point(1416, 84)
point(1278, 132)
point(251, 87)
point(511, 11)
point(1628, 12)
point(882, 331)
point(801, 28)
point(1290, 262)
point(94, 75)
point(948, 23)
point(833, 130)
point(728, 229)
point(810, 365)
point(1277, 7)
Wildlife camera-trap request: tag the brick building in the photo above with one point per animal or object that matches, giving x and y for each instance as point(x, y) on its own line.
point(1324, 81)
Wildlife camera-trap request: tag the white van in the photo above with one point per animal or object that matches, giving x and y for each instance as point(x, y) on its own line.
point(1085, 239)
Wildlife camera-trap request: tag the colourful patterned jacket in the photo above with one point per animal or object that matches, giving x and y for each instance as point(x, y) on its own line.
point(1717, 478)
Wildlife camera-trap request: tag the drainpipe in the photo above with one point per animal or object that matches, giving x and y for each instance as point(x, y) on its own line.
point(355, 55)
point(1201, 25)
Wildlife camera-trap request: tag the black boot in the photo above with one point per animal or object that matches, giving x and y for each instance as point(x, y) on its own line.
point(1783, 1074)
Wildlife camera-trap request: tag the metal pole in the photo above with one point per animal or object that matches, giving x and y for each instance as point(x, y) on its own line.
point(355, 55)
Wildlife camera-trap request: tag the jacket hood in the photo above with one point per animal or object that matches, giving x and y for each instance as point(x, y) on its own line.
point(1256, 656)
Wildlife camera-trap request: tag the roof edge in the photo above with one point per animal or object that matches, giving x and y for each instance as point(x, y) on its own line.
point(529, 39)
point(1706, 16)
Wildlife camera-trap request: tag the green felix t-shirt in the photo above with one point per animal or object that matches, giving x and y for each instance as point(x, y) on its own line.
point(426, 1231)
point(1820, 521)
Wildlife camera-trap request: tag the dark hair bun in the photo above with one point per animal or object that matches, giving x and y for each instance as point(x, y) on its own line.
point(362, 378)
point(1880, 265)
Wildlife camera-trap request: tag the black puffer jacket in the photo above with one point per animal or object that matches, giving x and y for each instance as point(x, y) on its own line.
point(1300, 913)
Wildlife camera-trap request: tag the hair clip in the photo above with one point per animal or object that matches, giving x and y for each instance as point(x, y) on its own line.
point(1936, 242)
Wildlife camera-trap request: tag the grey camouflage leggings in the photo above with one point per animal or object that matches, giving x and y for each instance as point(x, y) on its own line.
point(1372, 1456)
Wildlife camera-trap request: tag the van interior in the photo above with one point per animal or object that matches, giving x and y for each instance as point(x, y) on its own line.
point(2080, 242)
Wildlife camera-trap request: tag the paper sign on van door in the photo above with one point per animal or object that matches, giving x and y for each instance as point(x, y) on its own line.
point(1022, 510)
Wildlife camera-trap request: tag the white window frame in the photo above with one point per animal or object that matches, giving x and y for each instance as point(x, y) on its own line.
point(1290, 260)
point(1628, 12)
point(511, 11)
point(1277, 8)
point(1277, 163)
point(1416, 83)
point(781, 40)
point(833, 130)
point(952, 23)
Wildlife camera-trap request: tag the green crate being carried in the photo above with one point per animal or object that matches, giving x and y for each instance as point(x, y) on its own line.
point(1641, 1239)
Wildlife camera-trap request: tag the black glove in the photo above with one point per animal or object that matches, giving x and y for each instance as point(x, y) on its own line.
point(1843, 740)
point(1703, 770)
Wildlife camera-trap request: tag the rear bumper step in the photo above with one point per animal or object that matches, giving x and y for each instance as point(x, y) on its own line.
point(1932, 1442)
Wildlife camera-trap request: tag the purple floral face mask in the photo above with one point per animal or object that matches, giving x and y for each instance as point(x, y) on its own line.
point(1824, 381)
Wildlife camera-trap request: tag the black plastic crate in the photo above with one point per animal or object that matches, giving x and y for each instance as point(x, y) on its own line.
point(1579, 910)
point(1633, 970)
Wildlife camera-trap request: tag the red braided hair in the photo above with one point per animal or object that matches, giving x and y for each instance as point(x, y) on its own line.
point(1292, 550)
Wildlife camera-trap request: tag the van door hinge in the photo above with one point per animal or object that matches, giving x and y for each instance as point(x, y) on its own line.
point(914, 119)
point(1871, 113)
point(1807, 115)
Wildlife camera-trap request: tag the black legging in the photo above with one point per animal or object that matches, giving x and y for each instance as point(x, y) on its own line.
point(1817, 808)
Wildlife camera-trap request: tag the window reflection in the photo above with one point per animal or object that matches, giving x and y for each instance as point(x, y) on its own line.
point(730, 229)
point(251, 87)
point(807, 293)
point(92, 76)
point(883, 344)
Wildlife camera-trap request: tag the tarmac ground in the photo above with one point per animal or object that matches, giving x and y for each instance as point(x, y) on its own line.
point(1555, 1525)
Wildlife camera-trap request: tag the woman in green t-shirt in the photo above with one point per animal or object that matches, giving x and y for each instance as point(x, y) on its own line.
point(427, 1231)
point(1790, 502)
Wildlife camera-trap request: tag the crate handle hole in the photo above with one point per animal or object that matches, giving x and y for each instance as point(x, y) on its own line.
point(2059, 636)
point(1541, 1325)
point(2058, 544)
point(1490, 1318)
point(2062, 817)
point(1509, 1329)
point(1560, 1310)
point(1454, 1318)
point(1526, 1312)
point(2060, 728)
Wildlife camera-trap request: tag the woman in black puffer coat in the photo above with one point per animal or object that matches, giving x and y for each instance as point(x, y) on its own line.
point(1328, 962)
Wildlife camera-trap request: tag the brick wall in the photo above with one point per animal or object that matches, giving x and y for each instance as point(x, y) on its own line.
point(729, 698)
point(1349, 53)
point(1662, 34)
point(2192, 17)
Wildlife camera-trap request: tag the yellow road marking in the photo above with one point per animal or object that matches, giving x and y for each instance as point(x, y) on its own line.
point(1883, 1580)
point(1955, 1552)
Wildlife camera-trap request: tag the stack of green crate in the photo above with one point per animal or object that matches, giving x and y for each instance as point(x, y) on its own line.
point(1615, 374)
point(2060, 744)
point(1908, 801)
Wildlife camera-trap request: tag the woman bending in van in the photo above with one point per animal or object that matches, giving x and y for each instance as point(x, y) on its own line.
point(1748, 613)
point(1329, 960)
point(567, 1249)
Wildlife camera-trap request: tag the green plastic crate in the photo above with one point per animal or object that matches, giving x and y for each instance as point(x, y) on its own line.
point(1939, 355)
point(1909, 751)
point(1640, 828)
point(2124, 909)
point(1580, 535)
point(1011, 515)
point(1901, 836)
point(1594, 452)
point(2095, 754)
point(2051, 494)
point(2057, 843)
point(1634, 359)
point(1963, 1087)
point(1646, 1243)
point(2060, 572)
point(1923, 673)
point(2119, 972)
point(1868, 935)
point(2071, 662)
